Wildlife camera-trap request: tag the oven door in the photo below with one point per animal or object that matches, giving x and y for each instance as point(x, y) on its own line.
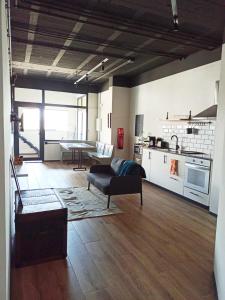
point(197, 177)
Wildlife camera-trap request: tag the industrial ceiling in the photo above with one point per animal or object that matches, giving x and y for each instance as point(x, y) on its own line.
point(64, 40)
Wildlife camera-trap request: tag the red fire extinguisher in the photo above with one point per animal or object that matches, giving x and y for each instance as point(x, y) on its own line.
point(120, 138)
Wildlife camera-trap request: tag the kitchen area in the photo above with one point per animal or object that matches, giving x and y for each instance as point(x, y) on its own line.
point(177, 131)
point(181, 160)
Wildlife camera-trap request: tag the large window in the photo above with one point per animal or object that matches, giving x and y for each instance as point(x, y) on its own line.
point(65, 114)
point(65, 123)
point(61, 98)
point(28, 95)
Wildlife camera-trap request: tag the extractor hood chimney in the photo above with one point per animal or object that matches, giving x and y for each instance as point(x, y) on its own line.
point(210, 112)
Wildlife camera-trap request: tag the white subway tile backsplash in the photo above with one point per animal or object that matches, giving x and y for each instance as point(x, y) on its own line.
point(208, 142)
point(202, 142)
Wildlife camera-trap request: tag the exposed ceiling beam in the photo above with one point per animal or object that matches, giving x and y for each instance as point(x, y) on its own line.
point(109, 40)
point(154, 59)
point(113, 70)
point(77, 27)
point(69, 48)
point(100, 48)
point(141, 29)
point(145, 43)
point(44, 68)
point(32, 21)
point(89, 40)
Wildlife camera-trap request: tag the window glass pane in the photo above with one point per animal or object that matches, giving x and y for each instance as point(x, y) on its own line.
point(29, 132)
point(53, 97)
point(65, 123)
point(196, 177)
point(84, 101)
point(28, 95)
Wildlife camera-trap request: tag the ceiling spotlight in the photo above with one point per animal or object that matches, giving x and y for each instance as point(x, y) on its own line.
point(175, 15)
point(103, 66)
point(102, 63)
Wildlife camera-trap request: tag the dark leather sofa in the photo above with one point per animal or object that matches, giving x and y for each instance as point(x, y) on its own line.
point(106, 178)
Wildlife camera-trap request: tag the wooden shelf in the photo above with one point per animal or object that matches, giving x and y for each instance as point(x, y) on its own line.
point(192, 121)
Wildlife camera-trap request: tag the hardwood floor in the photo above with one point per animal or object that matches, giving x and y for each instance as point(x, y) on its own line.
point(163, 250)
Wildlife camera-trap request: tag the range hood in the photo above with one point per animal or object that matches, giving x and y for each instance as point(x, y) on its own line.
point(209, 113)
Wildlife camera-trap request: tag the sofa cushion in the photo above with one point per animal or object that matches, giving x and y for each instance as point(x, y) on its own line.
point(130, 167)
point(100, 180)
point(116, 164)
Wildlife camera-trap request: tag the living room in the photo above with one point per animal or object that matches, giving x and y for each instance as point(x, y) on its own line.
point(112, 152)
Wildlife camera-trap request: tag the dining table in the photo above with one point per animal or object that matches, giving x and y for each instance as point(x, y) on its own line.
point(78, 148)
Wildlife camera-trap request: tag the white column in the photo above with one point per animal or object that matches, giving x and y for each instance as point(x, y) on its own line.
point(4, 157)
point(219, 186)
point(219, 140)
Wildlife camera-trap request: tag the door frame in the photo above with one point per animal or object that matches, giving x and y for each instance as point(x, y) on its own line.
point(18, 104)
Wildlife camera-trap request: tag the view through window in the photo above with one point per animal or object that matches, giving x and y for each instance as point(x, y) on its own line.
point(65, 123)
point(64, 114)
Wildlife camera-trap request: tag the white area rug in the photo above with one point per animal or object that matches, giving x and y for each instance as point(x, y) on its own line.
point(83, 203)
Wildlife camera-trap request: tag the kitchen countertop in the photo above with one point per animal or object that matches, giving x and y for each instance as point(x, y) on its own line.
point(194, 155)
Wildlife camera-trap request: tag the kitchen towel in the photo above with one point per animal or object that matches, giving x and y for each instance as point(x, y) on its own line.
point(174, 167)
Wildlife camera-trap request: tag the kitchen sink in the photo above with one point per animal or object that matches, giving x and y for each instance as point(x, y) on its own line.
point(185, 152)
point(191, 152)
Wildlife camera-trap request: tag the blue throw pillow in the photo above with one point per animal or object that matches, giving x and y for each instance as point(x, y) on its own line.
point(126, 168)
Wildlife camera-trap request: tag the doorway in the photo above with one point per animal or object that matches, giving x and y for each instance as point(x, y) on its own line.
point(28, 132)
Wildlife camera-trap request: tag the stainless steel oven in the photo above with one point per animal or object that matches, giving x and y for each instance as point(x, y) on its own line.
point(197, 174)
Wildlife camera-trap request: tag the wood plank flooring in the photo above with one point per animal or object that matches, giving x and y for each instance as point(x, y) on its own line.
point(163, 250)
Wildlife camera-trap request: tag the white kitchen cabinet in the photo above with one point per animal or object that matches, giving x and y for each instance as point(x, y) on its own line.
point(175, 183)
point(158, 170)
point(196, 196)
point(157, 167)
point(146, 162)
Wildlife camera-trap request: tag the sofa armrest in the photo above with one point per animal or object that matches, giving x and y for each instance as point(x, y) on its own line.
point(101, 169)
point(125, 184)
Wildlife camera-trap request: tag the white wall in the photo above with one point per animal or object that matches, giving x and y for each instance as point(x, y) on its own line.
point(115, 100)
point(219, 175)
point(5, 149)
point(120, 118)
point(177, 94)
point(92, 116)
point(105, 107)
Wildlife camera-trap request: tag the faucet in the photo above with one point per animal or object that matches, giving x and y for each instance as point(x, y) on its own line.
point(175, 136)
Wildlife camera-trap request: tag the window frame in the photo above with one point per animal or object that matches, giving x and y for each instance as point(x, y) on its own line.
point(42, 105)
point(67, 106)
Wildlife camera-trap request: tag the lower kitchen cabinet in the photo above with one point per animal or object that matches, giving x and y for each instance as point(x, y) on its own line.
point(157, 168)
point(146, 161)
point(196, 196)
point(175, 183)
